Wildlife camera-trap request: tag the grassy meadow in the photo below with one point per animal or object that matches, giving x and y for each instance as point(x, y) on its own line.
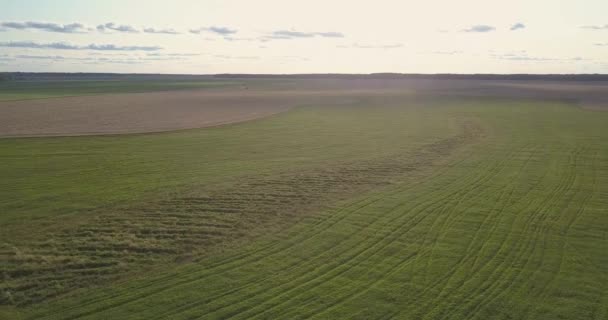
point(400, 207)
point(38, 89)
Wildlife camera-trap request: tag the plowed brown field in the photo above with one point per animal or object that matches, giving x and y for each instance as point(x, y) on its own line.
point(135, 113)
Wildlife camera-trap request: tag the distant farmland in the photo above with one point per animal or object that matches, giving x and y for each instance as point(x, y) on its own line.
point(357, 198)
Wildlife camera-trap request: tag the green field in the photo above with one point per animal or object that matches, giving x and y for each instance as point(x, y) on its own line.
point(37, 89)
point(406, 207)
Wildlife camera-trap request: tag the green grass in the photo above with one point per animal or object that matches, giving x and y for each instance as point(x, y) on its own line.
point(413, 208)
point(50, 176)
point(91, 184)
point(26, 90)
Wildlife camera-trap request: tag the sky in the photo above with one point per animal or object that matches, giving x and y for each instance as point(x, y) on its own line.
point(313, 36)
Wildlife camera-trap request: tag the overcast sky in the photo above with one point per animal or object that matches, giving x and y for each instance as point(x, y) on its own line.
point(313, 36)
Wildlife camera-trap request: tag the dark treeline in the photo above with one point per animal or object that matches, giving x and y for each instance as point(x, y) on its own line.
point(35, 76)
point(438, 76)
point(58, 76)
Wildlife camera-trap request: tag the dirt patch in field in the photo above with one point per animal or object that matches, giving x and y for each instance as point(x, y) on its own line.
point(587, 95)
point(175, 110)
point(133, 113)
point(157, 111)
point(597, 104)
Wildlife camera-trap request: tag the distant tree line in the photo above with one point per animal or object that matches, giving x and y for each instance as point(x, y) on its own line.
point(52, 76)
point(438, 76)
point(58, 76)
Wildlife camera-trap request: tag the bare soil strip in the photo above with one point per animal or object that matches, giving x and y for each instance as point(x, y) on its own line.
point(153, 112)
point(132, 113)
point(177, 110)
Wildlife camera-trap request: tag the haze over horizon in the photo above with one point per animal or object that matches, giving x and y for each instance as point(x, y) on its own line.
point(206, 37)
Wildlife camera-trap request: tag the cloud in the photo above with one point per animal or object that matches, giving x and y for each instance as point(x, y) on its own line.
point(23, 56)
point(223, 31)
point(239, 39)
point(115, 61)
point(111, 47)
point(157, 54)
point(517, 26)
point(518, 56)
point(292, 34)
point(372, 46)
point(447, 52)
point(35, 45)
point(162, 58)
point(298, 58)
point(223, 56)
point(125, 28)
point(68, 46)
point(604, 27)
point(44, 26)
point(330, 34)
point(286, 34)
point(523, 56)
point(103, 59)
point(481, 28)
point(141, 59)
point(80, 28)
point(106, 54)
point(160, 31)
point(111, 26)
